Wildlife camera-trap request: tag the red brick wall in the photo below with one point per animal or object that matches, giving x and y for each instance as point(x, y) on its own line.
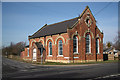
point(55, 39)
point(67, 39)
point(81, 28)
point(22, 55)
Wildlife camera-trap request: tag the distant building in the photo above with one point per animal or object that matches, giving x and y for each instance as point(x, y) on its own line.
point(74, 40)
point(112, 53)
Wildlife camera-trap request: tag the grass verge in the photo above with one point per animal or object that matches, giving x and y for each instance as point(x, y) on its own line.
point(57, 63)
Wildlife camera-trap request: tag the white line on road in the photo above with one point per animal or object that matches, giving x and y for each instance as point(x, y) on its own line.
point(108, 76)
point(24, 70)
point(34, 69)
point(89, 79)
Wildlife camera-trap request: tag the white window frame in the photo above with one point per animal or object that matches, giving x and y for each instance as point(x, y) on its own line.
point(28, 54)
point(49, 48)
point(76, 44)
point(98, 46)
point(89, 43)
point(59, 48)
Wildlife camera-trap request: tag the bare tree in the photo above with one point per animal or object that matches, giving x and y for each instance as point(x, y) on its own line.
point(109, 44)
point(104, 46)
point(117, 42)
point(14, 49)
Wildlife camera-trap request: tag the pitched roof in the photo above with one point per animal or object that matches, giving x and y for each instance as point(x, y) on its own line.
point(56, 28)
point(108, 49)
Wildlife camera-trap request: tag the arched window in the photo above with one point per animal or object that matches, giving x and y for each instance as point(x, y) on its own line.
point(97, 45)
point(88, 44)
point(75, 44)
point(50, 48)
point(60, 47)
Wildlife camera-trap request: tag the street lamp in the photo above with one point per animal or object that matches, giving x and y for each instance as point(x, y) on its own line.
point(41, 54)
point(6, 54)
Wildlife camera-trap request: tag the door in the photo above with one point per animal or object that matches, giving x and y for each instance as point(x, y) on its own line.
point(105, 57)
point(34, 54)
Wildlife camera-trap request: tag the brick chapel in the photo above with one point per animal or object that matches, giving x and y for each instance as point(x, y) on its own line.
point(75, 40)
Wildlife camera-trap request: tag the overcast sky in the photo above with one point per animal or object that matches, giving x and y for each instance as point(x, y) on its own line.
point(21, 19)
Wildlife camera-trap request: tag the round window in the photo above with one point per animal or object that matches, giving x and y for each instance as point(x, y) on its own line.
point(88, 21)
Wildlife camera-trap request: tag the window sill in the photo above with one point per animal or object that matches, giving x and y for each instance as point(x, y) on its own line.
point(41, 55)
point(88, 53)
point(34, 60)
point(97, 53)
point(60, 56)
point(49, 56)
point(75, 53)
point(66, 57)
point(75, 57)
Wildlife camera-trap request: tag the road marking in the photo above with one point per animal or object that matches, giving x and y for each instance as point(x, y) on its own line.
point(108, 76)
point(105, 76)
point(24, 70)
point(27, 67)
point(4, 63)
point(34, 69)
point(89, 79)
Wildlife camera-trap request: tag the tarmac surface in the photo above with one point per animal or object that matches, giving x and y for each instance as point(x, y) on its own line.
point(12, 69)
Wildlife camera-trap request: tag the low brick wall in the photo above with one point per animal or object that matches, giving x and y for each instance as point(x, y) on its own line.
point(110, 56)
point(14, 57)
point(71, 61)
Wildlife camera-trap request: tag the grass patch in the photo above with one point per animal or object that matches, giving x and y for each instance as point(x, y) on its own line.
point(54, 63)
point(108, 61)
point(57, 63)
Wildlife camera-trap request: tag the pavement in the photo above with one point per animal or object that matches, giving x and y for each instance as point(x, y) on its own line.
point(20, 70)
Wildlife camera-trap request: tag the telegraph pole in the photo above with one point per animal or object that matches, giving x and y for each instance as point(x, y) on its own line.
point(7, 54)
point(41, 55)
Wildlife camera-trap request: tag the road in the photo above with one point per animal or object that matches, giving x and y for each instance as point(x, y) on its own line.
point(21, 70)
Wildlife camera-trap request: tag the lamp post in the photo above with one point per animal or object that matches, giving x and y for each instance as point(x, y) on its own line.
point(41, 54)
point(6, 54)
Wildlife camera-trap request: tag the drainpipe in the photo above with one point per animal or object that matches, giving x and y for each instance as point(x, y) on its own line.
point(41, 55)
point(95, 43)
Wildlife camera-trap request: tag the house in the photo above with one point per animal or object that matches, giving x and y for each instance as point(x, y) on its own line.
point(112, 53)
point(75, 40)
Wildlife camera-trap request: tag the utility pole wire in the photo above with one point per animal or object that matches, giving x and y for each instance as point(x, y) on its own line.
point(100, 11)
point(103, 8)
